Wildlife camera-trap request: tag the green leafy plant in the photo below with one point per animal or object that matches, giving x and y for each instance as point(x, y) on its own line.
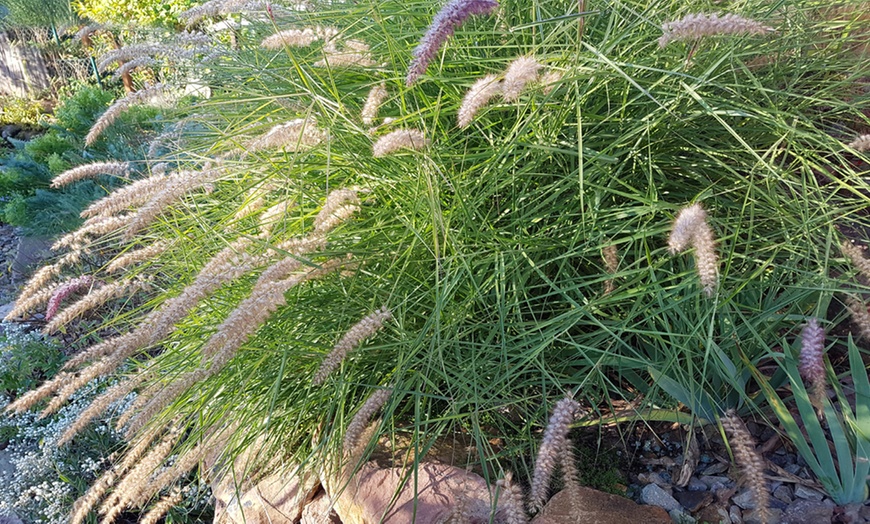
point(836, 447)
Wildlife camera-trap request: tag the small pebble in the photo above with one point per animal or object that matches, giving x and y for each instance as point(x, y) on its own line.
point(736, 515)
point(803, 492)
point(783, 493)
point(745, 499)
point(654, 495)
point(695, 484)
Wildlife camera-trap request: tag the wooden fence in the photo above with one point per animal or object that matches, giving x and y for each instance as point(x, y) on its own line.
point(25, 70)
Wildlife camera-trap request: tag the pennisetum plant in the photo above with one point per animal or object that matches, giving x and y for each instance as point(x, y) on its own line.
point(317, 263)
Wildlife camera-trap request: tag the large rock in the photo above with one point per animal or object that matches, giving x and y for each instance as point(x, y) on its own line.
point(589, 506)
point(276, 498)
point(400, 496)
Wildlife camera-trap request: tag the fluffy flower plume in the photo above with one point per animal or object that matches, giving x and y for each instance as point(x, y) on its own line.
point(175, 188)
point(295, 135)
point(856, 255)
point(360, 421)
point(691, 229)
point(610, 255)
point(443, 26)
point(376, 97)
point(340, 205)
point(137, 255)
point(35, 286)
point(519, 73)
point(101, 404)
point(162, 507)
point(860, 315)
point(266, 297)
point(549, 80)
point(290, 38)
point(553, 445)
point(214, 8)
point(477, 97)
point(694, 26)
point(862, 143)
point(812, 364)
point(335, 58)
point(274, 215)
point(400, 139)
point(126, 67)
point(152, 95)
point(255, 199)
point(749, 460)
point(65, 290)
point(93, 300)
point(512, 495)
point(126, 197)
point(96, 227)
point(360, 331)
point(91, 170)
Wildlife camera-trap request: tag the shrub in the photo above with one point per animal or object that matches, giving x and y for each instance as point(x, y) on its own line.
point(472, 270)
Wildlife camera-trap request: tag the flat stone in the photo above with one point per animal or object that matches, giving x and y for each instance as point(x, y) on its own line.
point(694, 500)
point(745, 499)
point(589, 506)
point(319, 511)
point(794, 469)
point(400, 496)
point(653, 495)
point(808, 512)
point(695, 484)
point(803, 492)
point(714, 481)
point(768, 516)
point(276, 498)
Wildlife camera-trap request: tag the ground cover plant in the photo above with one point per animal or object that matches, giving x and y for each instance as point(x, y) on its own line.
point(468, 220)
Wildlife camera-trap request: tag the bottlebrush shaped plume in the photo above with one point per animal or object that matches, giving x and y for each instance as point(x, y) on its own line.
point(443, 26)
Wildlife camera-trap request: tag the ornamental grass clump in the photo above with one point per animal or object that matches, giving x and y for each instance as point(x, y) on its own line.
point(487, 246)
